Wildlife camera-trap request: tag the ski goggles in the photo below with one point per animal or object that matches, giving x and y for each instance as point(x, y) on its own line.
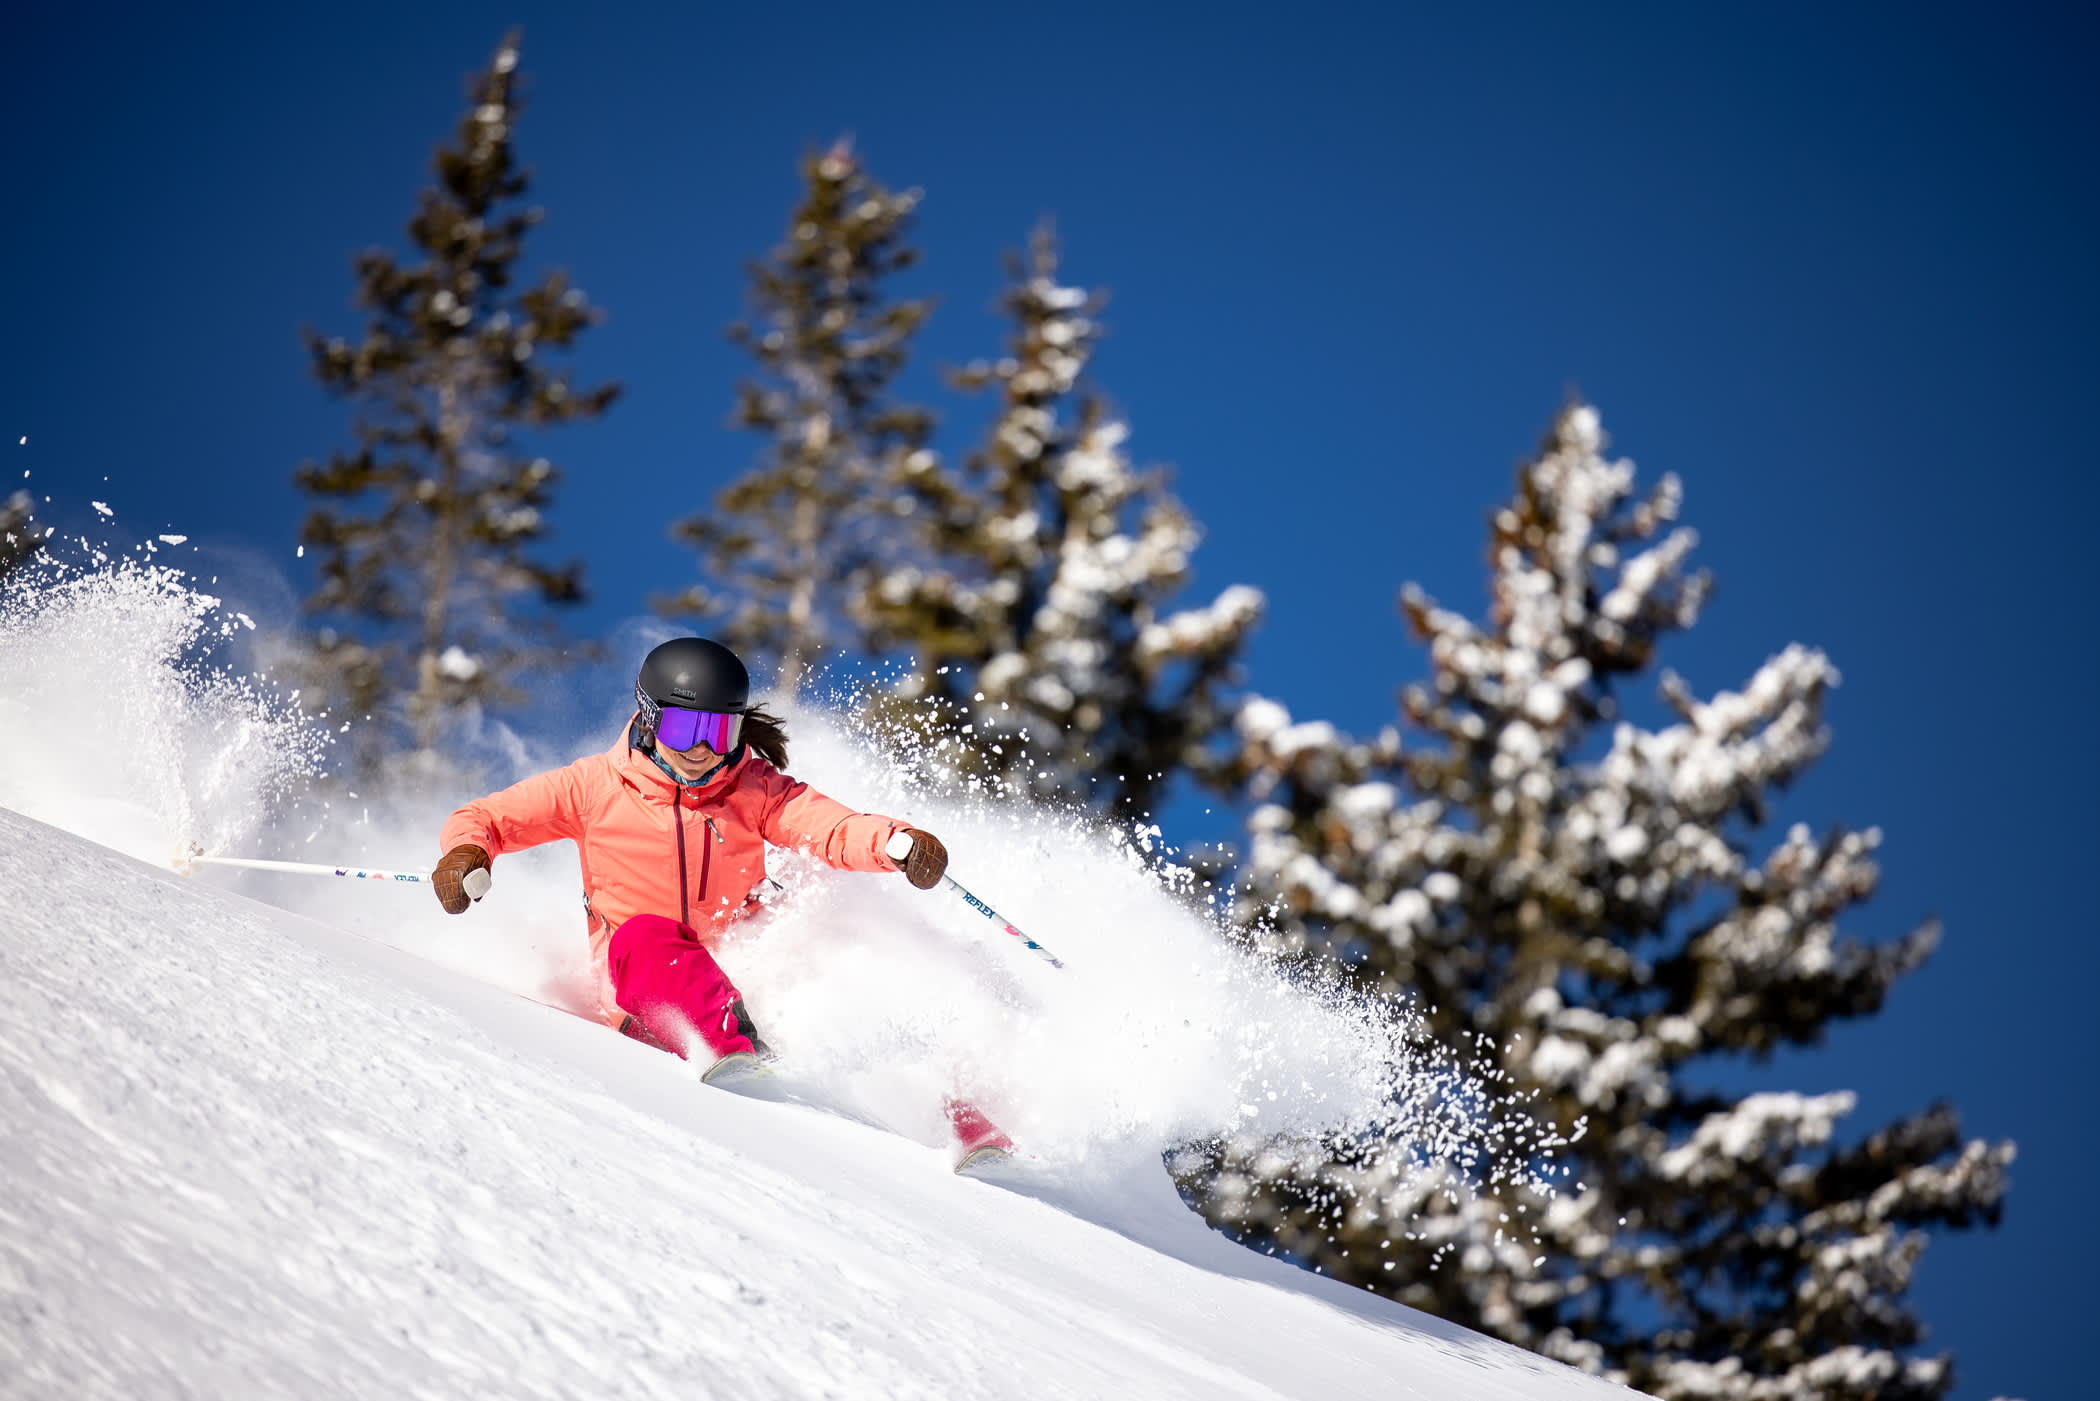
point(681, 729)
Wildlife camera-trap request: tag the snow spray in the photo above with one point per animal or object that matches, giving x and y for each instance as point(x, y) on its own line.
point(117, 724)
point(1158, 1030)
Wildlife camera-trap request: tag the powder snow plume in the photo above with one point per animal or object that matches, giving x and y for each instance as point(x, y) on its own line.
point(115, 723)
point(882, 999)
point(1157, 1030)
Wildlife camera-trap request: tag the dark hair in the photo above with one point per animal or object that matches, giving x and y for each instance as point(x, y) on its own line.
point(766, 734)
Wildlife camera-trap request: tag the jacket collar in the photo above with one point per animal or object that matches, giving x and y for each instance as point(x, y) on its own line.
point(649, 772)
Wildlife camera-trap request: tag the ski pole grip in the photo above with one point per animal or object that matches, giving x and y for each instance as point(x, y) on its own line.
point(899, 848)
point(476, 883)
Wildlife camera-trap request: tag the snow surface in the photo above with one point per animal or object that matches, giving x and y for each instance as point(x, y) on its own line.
point(252, 1154)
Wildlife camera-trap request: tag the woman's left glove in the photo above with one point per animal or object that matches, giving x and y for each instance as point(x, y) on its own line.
point(461, 878)
point(920, 856)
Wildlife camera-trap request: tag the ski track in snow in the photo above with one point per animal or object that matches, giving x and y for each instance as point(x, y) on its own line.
point(252, 1154)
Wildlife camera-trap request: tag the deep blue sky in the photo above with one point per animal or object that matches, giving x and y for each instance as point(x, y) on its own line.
point(1834, 268)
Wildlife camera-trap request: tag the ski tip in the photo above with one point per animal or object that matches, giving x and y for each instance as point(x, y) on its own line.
point(989, 1156)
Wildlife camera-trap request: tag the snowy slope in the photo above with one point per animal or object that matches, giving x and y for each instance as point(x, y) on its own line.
point(247, 1153)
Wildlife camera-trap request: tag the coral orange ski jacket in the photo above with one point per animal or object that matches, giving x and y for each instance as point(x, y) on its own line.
point(652, 846)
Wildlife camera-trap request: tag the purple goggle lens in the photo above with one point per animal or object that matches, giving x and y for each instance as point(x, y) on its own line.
point(681, 729)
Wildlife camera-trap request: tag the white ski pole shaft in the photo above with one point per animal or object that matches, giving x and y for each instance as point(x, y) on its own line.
point(306, 868)
point(995, 917)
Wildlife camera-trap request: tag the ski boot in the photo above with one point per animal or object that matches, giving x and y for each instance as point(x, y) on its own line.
point(982, 1143)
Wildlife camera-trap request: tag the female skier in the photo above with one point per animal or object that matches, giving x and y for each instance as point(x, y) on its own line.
point(672, 824)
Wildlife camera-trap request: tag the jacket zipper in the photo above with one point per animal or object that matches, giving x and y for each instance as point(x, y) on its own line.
point(706, 853)
point(678, 823)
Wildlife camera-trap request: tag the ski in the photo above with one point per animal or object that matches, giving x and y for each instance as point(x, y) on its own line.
point(738, 1065)
point(980, 1160)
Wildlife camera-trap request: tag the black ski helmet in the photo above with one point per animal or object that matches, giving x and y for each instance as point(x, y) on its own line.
point(694, 672)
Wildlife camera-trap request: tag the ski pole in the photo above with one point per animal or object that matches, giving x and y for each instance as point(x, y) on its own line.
point(1000, 921)
point(899, 851)
point(995, 917)
point(306, 868)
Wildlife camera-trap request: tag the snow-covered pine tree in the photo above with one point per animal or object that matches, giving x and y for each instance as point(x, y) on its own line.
point(1581, 909)
point(789, 544)
point(423, 529)
point(18, 539)
point(1044, 652)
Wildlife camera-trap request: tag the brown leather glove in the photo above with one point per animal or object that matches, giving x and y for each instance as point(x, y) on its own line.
point(461, 878)
point(926, 861)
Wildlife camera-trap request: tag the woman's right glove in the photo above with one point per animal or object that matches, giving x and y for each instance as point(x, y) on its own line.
point(919, 855)
point(461, 878)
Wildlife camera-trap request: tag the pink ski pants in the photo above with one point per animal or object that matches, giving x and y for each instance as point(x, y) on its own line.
point(673, 989)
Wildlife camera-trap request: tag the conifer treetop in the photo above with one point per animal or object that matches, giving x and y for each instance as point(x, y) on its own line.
point(790, 542)
point(423, 530)
point(1038, 609)
point(1593, 920)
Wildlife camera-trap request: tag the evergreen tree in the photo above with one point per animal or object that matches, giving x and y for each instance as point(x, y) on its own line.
point(790, 543)
point(1582, 907)
point(17, 540)
point(423, 530)
point(1036, 612)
